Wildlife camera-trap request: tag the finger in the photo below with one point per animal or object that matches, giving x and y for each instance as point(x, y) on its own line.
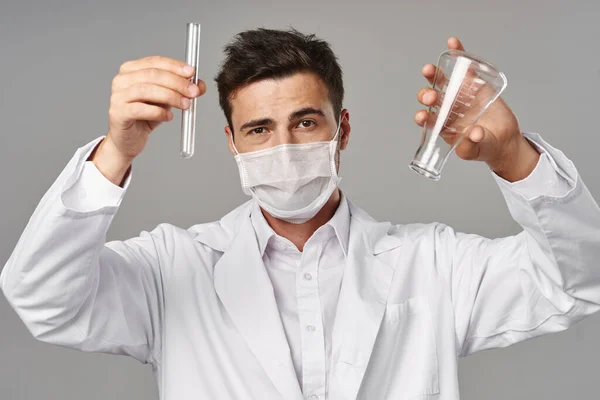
point(202, 85)
point(427, 96)
point(476, 144)
point(476, 134)
point(146, 112)
point(150, 93)
point(159, 77)
point(160, 62)
point(455, 44)
point(421, 117)
point(428, 72)
point(431, 73)
point(154, 124)
point(164, 106)
point(467, 149)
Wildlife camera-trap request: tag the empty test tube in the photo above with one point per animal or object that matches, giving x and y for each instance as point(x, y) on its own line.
point(188, 116)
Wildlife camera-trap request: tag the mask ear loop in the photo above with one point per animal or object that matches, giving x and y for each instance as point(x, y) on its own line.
point(235, 148)
point(333, 148)
point(240, 161)
point(337, 131)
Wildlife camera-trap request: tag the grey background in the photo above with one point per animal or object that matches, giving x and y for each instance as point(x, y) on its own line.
point(58, 60)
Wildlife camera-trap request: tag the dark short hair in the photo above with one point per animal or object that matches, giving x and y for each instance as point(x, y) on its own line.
point(258, 54)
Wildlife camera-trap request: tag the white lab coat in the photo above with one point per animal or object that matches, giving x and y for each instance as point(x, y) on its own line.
point(198, 305)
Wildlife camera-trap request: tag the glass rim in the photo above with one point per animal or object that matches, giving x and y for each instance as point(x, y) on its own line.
point(471, 56)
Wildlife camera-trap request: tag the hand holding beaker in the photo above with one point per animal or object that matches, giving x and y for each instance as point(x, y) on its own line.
point(465, 86)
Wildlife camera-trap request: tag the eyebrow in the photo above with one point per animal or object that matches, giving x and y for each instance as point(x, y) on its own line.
point(256, 122)
point(293, 116)
point(306, 111)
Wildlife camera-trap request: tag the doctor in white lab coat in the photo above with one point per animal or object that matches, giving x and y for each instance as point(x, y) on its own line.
point(301, 296)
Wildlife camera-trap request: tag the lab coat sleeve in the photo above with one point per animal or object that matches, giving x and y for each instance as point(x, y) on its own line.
point(546, 179)
point(541, 280)
point(71, 287)
point(92, 190)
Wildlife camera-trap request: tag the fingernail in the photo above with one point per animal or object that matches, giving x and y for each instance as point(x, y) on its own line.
point(188, 69)
point(429, 97)
point(193, 89)
point(476, 135)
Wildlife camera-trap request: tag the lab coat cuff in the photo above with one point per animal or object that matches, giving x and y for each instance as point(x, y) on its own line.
point(93, 190)
point(86, 191)
point(554, 175)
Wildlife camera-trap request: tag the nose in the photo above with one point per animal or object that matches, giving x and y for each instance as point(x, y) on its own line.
point(284, 136)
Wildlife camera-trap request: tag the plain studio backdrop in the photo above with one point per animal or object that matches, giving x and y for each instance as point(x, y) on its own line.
point(58, 61)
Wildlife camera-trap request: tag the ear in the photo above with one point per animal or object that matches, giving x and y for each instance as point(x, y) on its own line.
point(344, 129)
point(229, 135)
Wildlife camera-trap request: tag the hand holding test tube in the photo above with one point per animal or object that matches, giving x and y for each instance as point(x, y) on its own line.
point(188, 116)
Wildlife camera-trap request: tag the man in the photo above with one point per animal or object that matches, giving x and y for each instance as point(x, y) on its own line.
point(298, 293)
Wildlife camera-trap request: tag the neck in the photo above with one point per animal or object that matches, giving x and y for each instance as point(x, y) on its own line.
point(298, 234)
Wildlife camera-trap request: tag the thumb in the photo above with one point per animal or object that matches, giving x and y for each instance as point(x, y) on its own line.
point(477, 143)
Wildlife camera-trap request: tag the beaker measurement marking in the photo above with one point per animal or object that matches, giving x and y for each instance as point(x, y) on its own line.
point(473, 86)
point(454, 105)
point(462, 96)
point(466, 94)
point(476, 81)
point(470, 96)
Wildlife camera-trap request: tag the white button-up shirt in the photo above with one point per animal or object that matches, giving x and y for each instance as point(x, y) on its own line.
point(306, 286)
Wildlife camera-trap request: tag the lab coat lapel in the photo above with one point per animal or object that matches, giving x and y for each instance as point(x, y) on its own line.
point(362, 303)
point(245, 289)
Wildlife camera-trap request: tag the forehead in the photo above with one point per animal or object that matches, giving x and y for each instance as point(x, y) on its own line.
point(277, 98)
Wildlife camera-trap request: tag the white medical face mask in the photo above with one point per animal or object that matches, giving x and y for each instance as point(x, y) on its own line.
point(291, 181)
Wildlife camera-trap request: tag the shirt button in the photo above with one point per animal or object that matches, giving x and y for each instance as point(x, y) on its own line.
point(310, 328)
point(307, 276)
point(313, 397)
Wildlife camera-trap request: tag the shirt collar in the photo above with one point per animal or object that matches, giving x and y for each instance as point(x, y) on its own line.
point(340, 222)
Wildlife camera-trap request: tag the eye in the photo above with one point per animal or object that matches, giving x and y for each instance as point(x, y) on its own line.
point(306, 123)
point(257, 131)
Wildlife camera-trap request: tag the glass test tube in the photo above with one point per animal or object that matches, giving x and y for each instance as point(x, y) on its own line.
point(188, 116)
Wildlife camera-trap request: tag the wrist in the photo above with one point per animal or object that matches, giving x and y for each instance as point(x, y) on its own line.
point(518, 163)
point(110, 162)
